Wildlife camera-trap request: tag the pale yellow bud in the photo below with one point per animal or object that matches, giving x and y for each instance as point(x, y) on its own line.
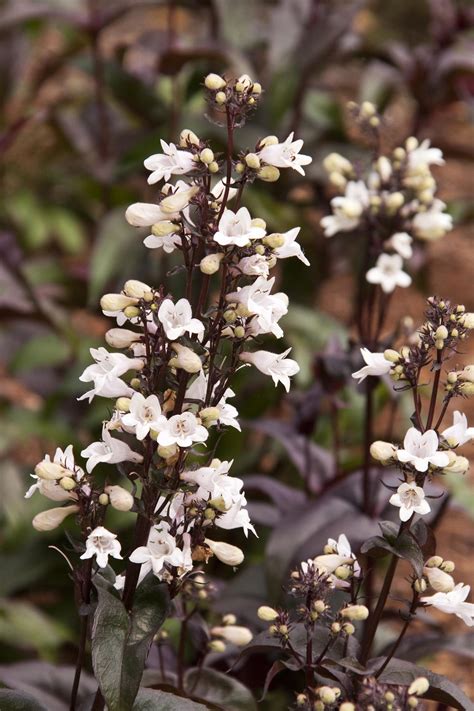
point(220, 98)
point(131, 311)
point(104, 500)
point(243, 83)
point(384, 168)
point(121, 337)
point(256, 88)
point(267, 614)
point(335, 628)
point(210, 264)
point(52, 518)
point(420, 585)
point(301, 699)
point(439, 580)
point(412, 702)
point(399, 153)
point(467, 320)
point(239, 332)
point(225, 552)
point(178, 201)
point(368, 109)
point(355, 612)
point(229, 619)
point(187, 136)
point(374, 121)
point(395, 200)
point(268, 141)
point(167, 452)
point(67, 483)
point(253, 161)
point(213, 167)
point(137, 289)
point(342, 572)
point(120, 498)
point(217, 645)
point(269, 174)
point(206, 155)
point(419, 686)
point(230, 316)
point(214, 82)
point(434, 562)
point(135, 383)
point(163, 228)
point(240, 636)
point(336, 163)
point(441, 332)
point(457, 464)
point(185, 358)
point(391, 355)
point(327, 694)
point(338, 180)
point(319, 606)
point(122, 404)
point(116, 302)
point(411, 143)
point(348, 628)
point(383, 451)
point(274, 241)
point(240, 167)
point(50, 471)
point(467, 389)
point(347, 706)
point(209, 415)
point(448, 566)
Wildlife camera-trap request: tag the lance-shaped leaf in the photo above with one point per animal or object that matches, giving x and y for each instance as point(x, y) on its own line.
point(220, 689)
point(120, 642)
point(17, 701)
point(404, 546)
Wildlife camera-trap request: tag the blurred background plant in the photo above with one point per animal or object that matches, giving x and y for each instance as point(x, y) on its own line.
point(88, 88)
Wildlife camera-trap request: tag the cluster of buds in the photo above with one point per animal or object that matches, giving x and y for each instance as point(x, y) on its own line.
point(372, 696)
point(394, 202)
point(239, 95)
point(228, 633)
point(436, 575)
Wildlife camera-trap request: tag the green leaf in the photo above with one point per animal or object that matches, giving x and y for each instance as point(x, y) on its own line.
point(47, 350)
point(16, 701)
point(441, 689)
point(219, 689)
point(113, 249)
point(150, 700)
point(120, 642)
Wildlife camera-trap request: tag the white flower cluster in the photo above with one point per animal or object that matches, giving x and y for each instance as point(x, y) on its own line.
point(395, 202)
point(172, 383)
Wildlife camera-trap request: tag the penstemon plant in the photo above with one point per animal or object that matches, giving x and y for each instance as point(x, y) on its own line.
point(182, 353)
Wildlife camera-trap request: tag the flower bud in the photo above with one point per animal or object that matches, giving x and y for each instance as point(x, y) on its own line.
point(67, 483)
point(367, 109)
point(457, 464)
point(122, 404)
point(168, 452)
point(420, 585)
point(220, 98)
point(439, 580)
point(467, 320)
point(230, 316)
point(214, 82)
point(268, 141)
point(355, 612)
point(419, 686)
point(185, 358)
point(229, 619)
point(187, 136)
point(384, 168)
point(240, 636)
point(121, 337)
point(163, 228)
point(269, 174)
point(441, 333)
point(301, 700)
point(135, 383)
point(434, 562)
point(382, 451)
point(50, 470)
point(335, 628)
point(239, 332)
point(394, 201)
point(178, 201)
point(327, 694)
point(253, 161)
point(137, 289)
point(335, 163)
point(116, 302)
point(391, 355)
point(319, 606)
point(211, 263)
point(240, 167)
point(347, 706)
point(131, 311)
point(467, 389)
point(213, 167)
point(348, 628)
point(120, 498)
point(217, 645)
point(209, 415)
point(338, 180)
point(104, 500)
point(274, 241)
point(52, 518)
point(243, 83)
point(448, 566)
point(225, 552)
point(342, 572)
point(267, 614)
point(206, 155)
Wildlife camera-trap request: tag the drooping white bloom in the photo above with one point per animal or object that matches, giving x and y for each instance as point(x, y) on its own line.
point(432, 224)
point(438, 579)
point(161, 550)
point(236, 228)
point(225, 552)
point(278, 366)
point(168, 242)
point(144, 214)
point(410, 498)
point(401, 243)
point(454, 603)
point(421, 450)
point(376, 365)
point(110, 451)
point(424, 155)
point(144, 415)
point(101, 543)
point(267, 308)
point(285, 155)
point(240, 636)
point(105, 374)
point(388, 273)
point(51, 488)
point(183, 430)
point(459, 433)
point(347, 209)
point(291, 248)
point(177, 319)
point(255, 265)
point(171, 162)
point(52, 518)
point(343, 547)
point(218, 191)
point(227, 413)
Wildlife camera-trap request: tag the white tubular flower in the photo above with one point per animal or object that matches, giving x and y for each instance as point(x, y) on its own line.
point(186, 359)
point(168, 241)
point(278, 366)
point(52, 518)
point(236, 228)
point(144, 415)
point(383, 452)
point(421, 450)
point(376, 365)
point(454, 603)
point(116, 302)
point(120, 498)
point(329, 562)
point(177, 319)
point(161, 550)
point(410, 498)
point(106, 372)
point(388, 273)
point(218, 191)
point(419, 686)
point(227, 413)
point(401, 243)
point(144, 214)
point(423, 156)
point(433, 223)
point(183, 430)
point(101, 543)
point(347, 210)
point(459, 433)
point(110, 451)
point(240, 636)
point(179, 199)
point(255, 265)
point(267, 308)
point(438, 579)
point(171, 162)
point(51, 489)
point(285, 155)
point(121, 337)
point(343, 548)
point(48, 483)
point(290, 247)
point(225, 552)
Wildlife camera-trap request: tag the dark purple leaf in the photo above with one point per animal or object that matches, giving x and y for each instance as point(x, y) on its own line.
point(283, 496)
